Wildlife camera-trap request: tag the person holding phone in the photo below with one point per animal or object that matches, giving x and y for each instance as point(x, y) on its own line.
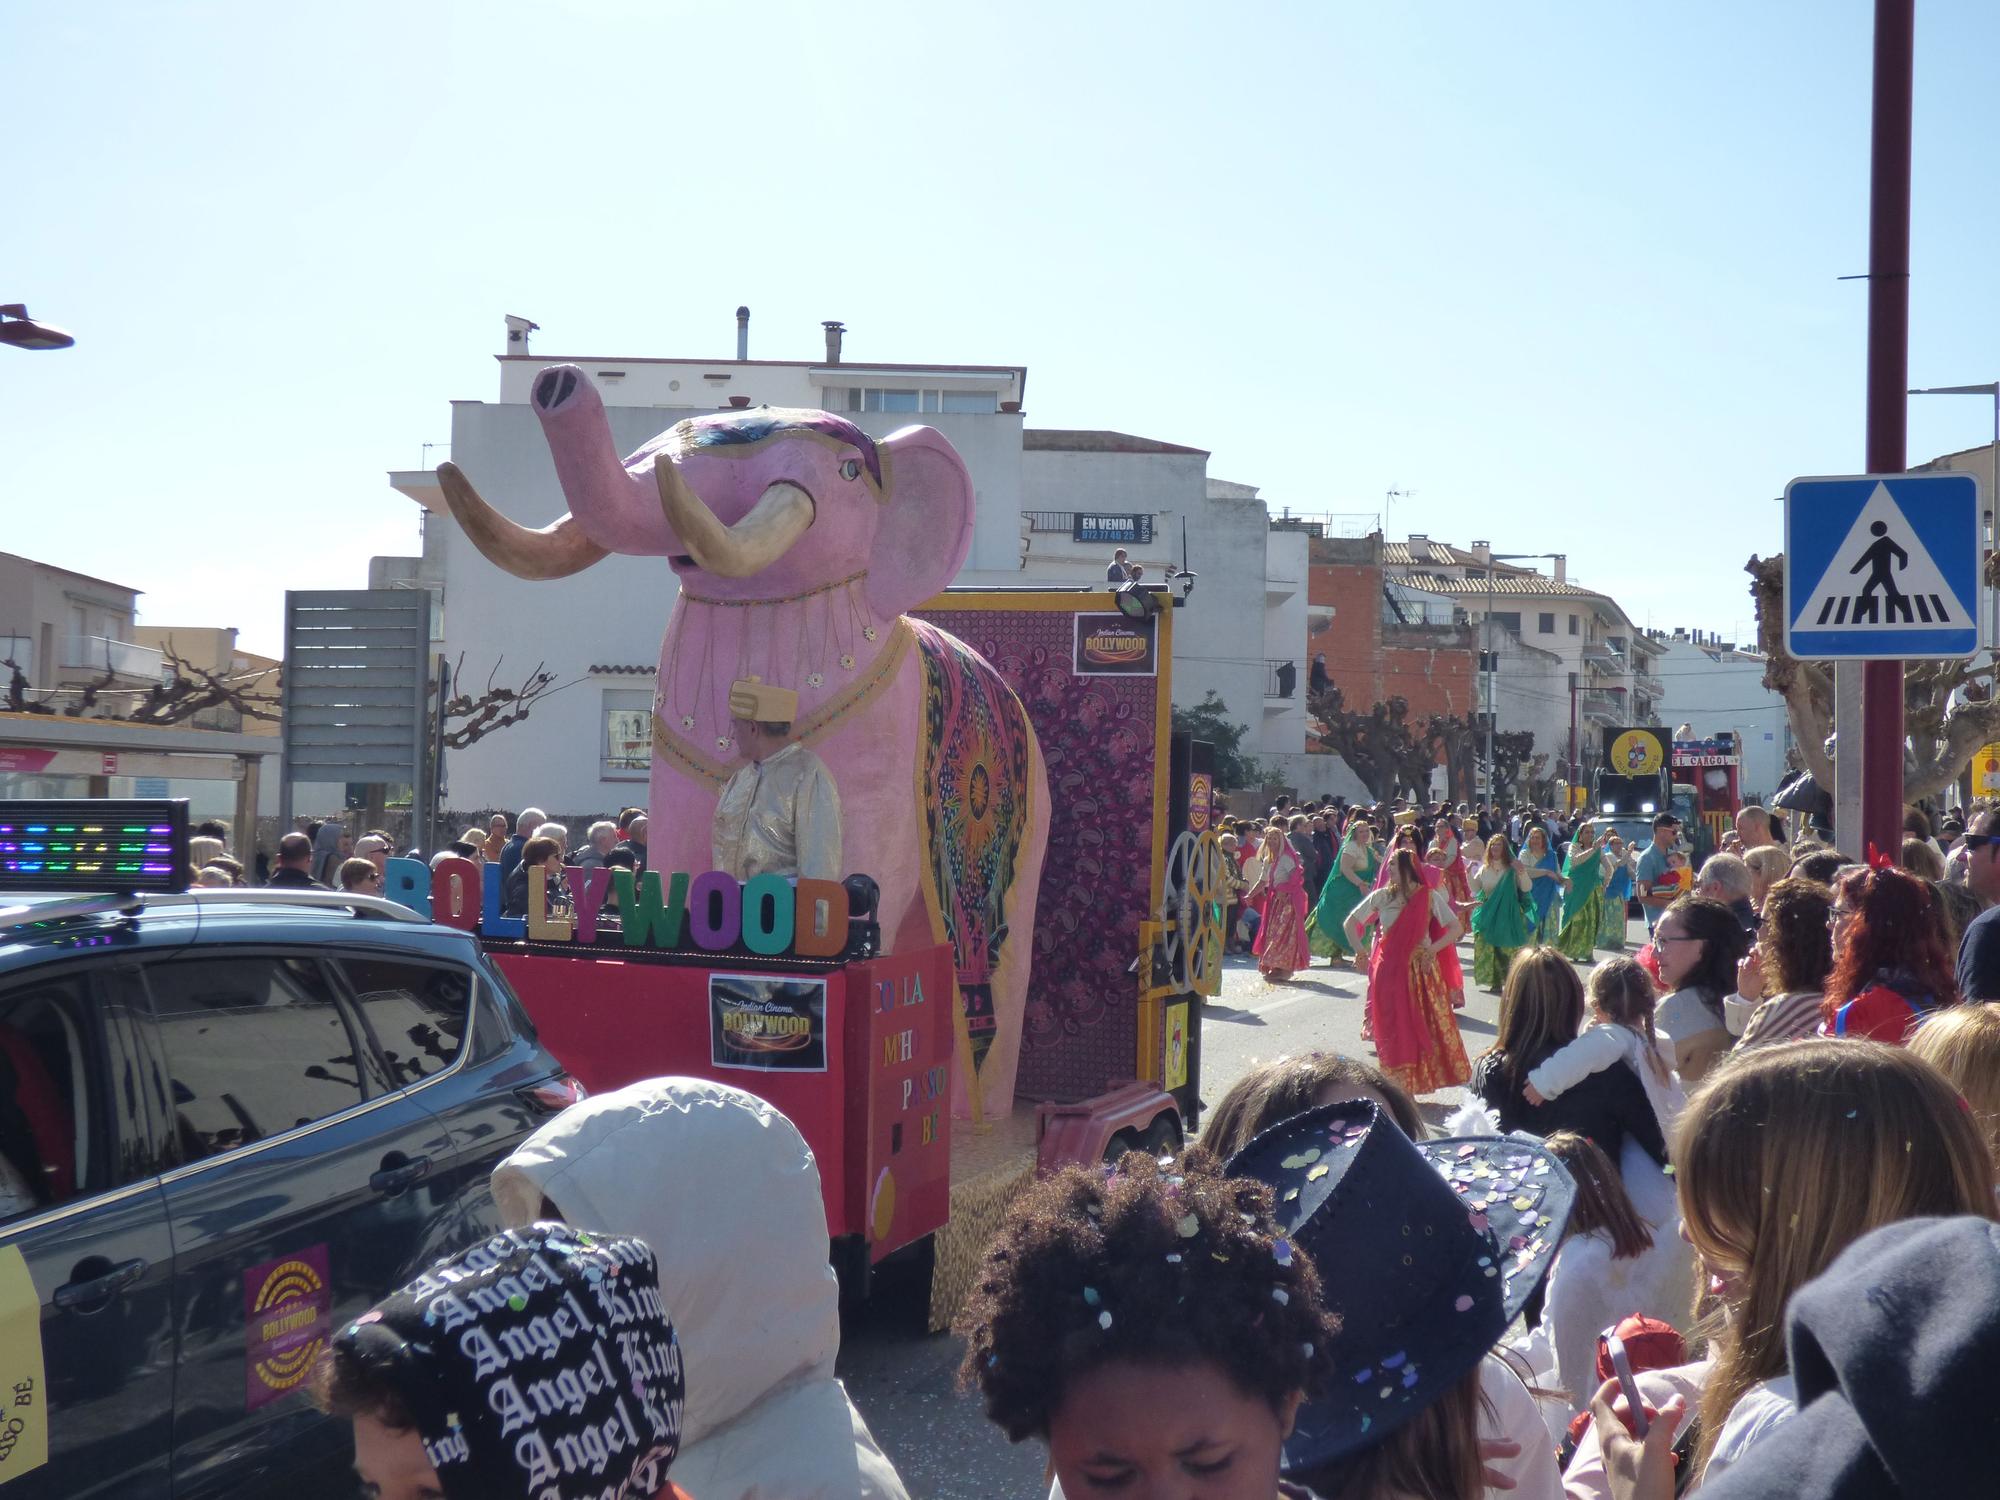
point(1786, 1157)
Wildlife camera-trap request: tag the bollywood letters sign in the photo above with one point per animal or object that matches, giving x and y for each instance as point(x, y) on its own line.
point(713, 912)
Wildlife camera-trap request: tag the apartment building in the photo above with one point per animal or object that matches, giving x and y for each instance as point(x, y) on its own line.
point(1715, 686)
point(72, 636)
point(64, 630)
point(1609, 669)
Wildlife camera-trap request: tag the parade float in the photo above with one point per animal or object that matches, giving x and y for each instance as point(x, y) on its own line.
point(919, 857)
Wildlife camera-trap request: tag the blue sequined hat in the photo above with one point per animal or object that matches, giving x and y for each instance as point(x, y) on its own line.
point(1426, 1252)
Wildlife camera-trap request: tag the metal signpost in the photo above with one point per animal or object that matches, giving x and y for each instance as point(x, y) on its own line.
point(1888, 412)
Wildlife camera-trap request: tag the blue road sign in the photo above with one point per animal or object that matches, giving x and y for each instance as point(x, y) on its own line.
point(1882, 567)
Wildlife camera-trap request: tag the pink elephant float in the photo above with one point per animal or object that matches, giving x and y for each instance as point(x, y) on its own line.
point(800, 544)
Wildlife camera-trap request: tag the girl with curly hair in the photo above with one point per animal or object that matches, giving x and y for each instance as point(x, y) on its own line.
point(1152, 1325)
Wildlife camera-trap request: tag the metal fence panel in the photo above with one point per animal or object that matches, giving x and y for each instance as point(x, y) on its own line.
point(355, 690)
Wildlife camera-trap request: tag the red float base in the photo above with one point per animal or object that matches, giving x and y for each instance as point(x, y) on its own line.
point(869, 1087)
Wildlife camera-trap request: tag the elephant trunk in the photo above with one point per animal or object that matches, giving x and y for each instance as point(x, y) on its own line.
point(554, 551)
point(613, 504)
point(780, 517)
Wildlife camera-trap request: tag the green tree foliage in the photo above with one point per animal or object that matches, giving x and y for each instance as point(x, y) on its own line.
point(1209, 720)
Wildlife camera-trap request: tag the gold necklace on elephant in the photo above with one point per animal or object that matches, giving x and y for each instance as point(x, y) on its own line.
point(792, 642)
point(699, 762)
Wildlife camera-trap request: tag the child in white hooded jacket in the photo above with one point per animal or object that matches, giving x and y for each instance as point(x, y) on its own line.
point(725, 1191)
point(1620, 1031)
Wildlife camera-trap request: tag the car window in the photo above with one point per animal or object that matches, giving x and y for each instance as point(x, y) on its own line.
point(47, 1082)
point(255, 1047)
point(416, 1014)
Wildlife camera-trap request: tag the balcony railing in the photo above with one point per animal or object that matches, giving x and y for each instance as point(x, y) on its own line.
point(96, 653)
point(1281, 679)
point(1607, 706)
point(1335, 523)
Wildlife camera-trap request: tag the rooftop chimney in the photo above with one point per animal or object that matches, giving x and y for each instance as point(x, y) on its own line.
point(1562, 567)
point(742, 333)
point(518, 330)
point(1483, 552)
point(1419, 539)
point(834, 329)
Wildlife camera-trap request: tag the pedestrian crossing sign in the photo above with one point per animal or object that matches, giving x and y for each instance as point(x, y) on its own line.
point(1882, 567)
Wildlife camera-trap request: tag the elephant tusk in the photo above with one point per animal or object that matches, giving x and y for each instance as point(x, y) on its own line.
point(555, 551)
point(780, 517)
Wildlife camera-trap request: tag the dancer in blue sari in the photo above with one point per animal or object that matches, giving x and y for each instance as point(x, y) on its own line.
point(1547, 883)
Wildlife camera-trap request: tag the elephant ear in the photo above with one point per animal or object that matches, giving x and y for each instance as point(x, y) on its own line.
point(926, 526)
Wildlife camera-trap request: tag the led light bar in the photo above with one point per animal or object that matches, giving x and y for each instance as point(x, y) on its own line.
point(94, 845)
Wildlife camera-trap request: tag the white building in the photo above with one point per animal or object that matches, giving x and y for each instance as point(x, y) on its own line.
point(1713, 686)
point(1088, 492)
point(1607, 666)
point(1531, 688)
point(1049, 507)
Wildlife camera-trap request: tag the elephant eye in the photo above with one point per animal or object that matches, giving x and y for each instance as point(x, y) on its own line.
point(851, 469)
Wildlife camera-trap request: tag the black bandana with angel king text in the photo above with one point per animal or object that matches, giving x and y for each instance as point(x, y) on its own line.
point(539, 1365)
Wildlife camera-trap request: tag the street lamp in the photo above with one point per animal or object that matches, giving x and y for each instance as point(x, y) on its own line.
point(1990, 388)
point(23, 332)
point(1492, 661)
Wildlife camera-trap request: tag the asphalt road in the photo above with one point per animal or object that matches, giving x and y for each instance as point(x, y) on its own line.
point(902, 1377)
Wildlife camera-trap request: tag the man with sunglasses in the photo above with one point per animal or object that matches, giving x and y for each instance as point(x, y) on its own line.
point(1979, 952)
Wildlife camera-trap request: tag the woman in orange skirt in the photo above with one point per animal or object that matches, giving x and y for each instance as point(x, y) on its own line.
point(1409, 1009)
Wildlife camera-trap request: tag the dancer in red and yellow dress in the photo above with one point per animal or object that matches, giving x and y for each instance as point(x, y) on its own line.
point(1457, 883)
point(1409, 1009)
point(1280, 900)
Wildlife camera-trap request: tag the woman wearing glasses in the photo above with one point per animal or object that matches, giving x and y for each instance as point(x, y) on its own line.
point(1890, 964)
point(1698, 942)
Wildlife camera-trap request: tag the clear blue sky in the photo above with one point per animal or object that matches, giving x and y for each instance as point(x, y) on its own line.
point(1566, 271)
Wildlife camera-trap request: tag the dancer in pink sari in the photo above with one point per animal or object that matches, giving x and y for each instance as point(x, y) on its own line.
point(1281, 901)
point(1415, 1034)
point(1456, 883)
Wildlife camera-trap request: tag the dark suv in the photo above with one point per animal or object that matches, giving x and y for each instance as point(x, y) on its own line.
point(228, 1123)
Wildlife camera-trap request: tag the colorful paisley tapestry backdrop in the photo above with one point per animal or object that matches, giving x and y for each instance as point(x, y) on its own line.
point(1096, 736)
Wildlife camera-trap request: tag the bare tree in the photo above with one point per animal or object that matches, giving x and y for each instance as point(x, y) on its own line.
point(469, 719)
point(1949, 707)
point(18, 701)
point(190, 690)
point(1514, 753)
point(1381, 746)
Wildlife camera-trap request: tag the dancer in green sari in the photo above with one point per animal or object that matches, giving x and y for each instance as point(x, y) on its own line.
point(1502, 920)
point(1617, 891)
point(1352, 877)
point(1583, 897)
